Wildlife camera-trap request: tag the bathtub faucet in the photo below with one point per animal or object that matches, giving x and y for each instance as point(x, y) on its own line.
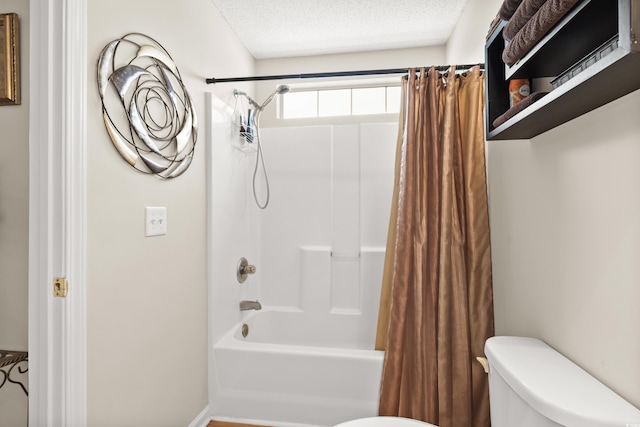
point(250, 305)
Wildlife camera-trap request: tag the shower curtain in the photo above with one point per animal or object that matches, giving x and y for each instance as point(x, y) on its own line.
point(437, 302)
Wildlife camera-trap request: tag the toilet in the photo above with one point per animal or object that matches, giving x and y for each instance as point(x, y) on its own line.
point(532, 385)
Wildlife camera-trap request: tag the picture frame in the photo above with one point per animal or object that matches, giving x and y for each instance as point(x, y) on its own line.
point(9, 59)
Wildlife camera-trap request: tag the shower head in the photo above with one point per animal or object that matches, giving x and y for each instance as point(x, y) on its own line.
point(281, 89)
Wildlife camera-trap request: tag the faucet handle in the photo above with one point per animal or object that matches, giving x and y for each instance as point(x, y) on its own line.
point(244, 269)
point(250, 305)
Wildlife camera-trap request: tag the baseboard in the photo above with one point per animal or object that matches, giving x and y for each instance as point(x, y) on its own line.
point(203, 418)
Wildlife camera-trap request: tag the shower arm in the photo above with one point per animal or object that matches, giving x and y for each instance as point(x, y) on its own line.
point(280, 89)
point(237, 93)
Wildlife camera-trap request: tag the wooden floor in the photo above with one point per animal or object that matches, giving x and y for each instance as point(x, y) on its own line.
point(225, 424)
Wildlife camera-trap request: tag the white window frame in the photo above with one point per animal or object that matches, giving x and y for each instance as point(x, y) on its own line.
point(337, 85)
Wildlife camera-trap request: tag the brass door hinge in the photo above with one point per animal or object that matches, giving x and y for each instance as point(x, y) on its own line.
point(60, 287)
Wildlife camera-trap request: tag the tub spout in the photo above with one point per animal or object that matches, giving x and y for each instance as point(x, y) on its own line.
point(250, 305)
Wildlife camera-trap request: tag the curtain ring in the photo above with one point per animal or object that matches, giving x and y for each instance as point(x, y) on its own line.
point(418, 73)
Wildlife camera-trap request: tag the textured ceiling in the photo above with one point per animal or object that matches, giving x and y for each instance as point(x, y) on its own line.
point(283, 28)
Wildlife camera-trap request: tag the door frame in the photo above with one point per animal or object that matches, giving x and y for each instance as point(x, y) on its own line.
point(57, 212)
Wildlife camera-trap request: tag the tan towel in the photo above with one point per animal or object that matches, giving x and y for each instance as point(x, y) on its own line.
point(508, 8)
point(542, 21)
point(522, 15)
point(518, 107)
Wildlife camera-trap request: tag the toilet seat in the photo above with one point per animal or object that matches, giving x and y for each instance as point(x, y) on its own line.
point(384, 422)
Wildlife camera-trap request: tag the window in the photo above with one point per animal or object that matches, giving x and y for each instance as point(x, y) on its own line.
point(340, 101)
point(369, 100)
point(300, 105)
point(335, 102)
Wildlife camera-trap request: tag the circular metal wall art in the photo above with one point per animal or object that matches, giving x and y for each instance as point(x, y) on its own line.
point(146, 108)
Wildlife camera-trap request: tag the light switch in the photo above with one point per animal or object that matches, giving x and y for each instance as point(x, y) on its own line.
point(155, 221)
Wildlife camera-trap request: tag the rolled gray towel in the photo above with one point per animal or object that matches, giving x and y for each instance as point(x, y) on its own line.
point(508, 8)
point(535, 96)
point(522, 15)
point(542, 21)
point(493, 26)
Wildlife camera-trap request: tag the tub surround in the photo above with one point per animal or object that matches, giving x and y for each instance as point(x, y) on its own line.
point(318, 250)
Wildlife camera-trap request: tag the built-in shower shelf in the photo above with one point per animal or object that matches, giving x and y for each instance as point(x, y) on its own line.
point(588, 26)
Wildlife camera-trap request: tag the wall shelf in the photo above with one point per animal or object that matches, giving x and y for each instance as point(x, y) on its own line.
point(586, 27)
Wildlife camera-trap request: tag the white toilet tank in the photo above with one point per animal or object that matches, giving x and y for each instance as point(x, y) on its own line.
point(532, 385)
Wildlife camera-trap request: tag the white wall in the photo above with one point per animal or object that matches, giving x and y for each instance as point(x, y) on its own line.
point(565, 222)
point(14, 223)
point(147, 297)
point(466, 42)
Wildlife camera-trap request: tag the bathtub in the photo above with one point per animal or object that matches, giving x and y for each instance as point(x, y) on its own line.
point(295, 368)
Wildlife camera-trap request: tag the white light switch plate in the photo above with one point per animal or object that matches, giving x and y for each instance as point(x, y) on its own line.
point(155, 221)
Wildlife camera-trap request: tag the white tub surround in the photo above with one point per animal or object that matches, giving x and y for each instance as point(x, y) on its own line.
point(318, 249)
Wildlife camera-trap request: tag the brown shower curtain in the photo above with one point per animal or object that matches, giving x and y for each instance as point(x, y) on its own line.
point(437, 302)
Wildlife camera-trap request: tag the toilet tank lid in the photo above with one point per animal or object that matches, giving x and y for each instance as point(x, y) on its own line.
point(555, 386)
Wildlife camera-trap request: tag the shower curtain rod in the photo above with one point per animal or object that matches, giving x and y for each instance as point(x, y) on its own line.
point(213, 80)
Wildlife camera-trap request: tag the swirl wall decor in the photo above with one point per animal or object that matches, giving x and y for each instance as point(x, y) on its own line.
point(146, 108)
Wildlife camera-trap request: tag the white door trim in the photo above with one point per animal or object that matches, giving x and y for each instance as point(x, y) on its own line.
point(57, 213)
